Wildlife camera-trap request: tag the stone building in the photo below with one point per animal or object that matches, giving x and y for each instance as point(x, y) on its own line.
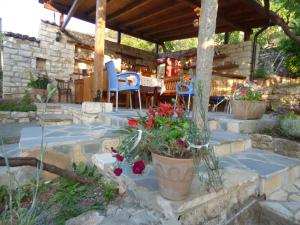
point(54, 53)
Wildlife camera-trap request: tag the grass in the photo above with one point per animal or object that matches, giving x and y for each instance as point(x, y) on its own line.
point(61, 199)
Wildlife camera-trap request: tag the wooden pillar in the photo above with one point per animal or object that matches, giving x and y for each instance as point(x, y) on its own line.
point(226, 38)
point(99, 47)
point(205, 55)
point(247, 35)
point(119, 37)
point(156, 48)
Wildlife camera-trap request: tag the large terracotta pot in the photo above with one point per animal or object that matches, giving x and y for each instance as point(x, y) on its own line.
point(174, 176)
point(248, 110)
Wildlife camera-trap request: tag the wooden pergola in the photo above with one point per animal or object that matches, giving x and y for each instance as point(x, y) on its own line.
point(156, 21)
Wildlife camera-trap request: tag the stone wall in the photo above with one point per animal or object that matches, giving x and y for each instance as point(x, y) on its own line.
point(239, 54)
point(276, 144)
point(21, 54)
point(17, 117)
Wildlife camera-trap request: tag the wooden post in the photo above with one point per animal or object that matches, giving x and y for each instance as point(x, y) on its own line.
point(247, 35)
point(226, 38)
point(156, 48)
point(205, 55)
point(119, 37)
point(99, 47)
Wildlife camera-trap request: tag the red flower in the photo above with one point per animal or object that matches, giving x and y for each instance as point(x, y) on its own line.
point(165, 109)
point(181, 143)
point(150, 122)
point(151, 111)
point(138, 167)
point(133, 123)
point(113, 150)
point(119, 157)
point(243, 92)
point(118, 171)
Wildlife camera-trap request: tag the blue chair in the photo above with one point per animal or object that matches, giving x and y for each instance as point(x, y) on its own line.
point(114, 85)
point(185, 90)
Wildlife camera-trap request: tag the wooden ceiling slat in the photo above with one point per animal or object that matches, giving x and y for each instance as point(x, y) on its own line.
point(168, 19)
point(161, 20)
point(127, 9)
point(152, 13)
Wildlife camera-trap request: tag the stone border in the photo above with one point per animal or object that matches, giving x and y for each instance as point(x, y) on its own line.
point(276, 144)
point(17, 117)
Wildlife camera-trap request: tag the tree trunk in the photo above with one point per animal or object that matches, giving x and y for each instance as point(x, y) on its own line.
point(205, 54)
point(34, 162)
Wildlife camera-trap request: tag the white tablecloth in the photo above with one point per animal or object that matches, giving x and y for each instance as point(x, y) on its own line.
point(149, 83)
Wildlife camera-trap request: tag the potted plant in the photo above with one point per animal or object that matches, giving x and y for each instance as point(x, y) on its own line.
point(38, 85)
point(247, 103)
point(175, 146)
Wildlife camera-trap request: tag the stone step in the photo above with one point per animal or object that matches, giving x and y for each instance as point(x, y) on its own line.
point(285, 203)
point(275, 171)
point(55, 119)
point(248, 173)
point(227, 122)
point(226, 143)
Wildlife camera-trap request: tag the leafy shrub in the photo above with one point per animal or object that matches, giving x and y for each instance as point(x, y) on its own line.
point(261, 73)
point(291, 126)
point(39, 82)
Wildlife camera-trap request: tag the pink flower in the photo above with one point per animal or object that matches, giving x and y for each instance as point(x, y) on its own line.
point(133, 123)
point(113, 150)
point(119, 157)
point(138, 167)
point(118, 171)
point(243, 92)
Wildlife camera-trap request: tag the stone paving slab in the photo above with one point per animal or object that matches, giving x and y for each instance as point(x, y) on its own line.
point(228, 123)
point(249, 167)
point(61, 135)
point(285, 202)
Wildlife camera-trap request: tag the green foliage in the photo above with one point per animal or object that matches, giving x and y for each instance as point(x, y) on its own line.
point(178, 45)
point(27, 98)
point(38, 82)
point(108, 190)
point(137, 43)
point(293, 51)
point(24, 105)
point(261, 73)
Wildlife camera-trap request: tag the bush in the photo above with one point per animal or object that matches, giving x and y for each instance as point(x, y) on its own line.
point(38, 82)
point(261, 73)
point(291, 127)
point(23, 105)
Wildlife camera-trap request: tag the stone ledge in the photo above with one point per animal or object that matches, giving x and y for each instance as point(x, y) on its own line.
point(96, 107)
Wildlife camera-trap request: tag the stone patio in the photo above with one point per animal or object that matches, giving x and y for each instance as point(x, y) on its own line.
point(248, 172)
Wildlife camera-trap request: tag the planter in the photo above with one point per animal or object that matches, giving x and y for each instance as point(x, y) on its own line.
point(42, 92)
point(174, 176)
point(248, 110)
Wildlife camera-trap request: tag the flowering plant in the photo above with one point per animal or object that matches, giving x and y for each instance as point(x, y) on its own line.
point(164, 131)
point(248, 92)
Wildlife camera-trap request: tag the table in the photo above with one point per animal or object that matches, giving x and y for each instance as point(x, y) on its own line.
point(150, 85)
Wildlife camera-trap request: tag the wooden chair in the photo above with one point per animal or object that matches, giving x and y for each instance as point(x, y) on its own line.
point(64, 88)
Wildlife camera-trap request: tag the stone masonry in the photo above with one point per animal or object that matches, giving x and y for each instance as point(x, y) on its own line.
point(21, 55)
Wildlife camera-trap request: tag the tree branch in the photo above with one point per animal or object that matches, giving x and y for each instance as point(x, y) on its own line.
point(280, 22)
point(31, 161)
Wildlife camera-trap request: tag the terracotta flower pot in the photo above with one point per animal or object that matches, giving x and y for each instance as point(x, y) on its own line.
point(174, 176)
point(248, 110)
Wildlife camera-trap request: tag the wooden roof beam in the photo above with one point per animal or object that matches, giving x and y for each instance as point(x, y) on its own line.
point(127, 9)
point(152, 13)
point(174, 17)
point(71, 12)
